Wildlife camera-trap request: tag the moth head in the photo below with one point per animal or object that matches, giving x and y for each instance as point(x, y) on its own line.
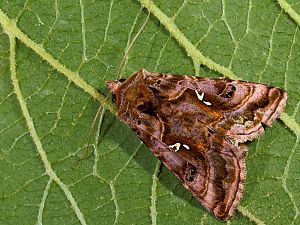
point(113, 85)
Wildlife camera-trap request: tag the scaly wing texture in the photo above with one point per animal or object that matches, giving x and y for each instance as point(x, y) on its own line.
point(62, 55)
point(191, 125)
point(245, 106)
point(215, 177)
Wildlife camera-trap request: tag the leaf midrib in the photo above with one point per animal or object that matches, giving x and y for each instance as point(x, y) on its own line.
point(10, 27)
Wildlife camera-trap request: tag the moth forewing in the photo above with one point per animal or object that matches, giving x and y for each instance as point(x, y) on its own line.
point(195, 127)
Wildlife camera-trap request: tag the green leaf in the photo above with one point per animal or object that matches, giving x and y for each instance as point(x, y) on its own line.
point(54, 59)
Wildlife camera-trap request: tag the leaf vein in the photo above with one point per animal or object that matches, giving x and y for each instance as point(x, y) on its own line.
point(197, 56)
point(83, 33)
point(10, 27)
point(289, 10)
point(249, 215)
point(270, 48)
point(34, 134)
point(153, 211)
point(285, 178)
point(114, 198)
point(289, 58)
point(43, 202)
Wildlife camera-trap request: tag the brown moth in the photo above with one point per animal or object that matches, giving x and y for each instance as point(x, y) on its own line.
point(195, 127)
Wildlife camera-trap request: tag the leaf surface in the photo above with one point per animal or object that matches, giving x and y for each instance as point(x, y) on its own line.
point(54, 59)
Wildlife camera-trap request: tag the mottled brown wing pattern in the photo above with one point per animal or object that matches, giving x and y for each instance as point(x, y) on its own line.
point(193, 125)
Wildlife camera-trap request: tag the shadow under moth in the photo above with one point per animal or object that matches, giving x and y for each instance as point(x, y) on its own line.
point(195, 126)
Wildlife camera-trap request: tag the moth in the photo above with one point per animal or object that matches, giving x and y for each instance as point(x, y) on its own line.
point(196, 127)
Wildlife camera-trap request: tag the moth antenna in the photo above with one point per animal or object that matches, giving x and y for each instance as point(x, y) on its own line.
point(121, 66)
point(91, 129)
